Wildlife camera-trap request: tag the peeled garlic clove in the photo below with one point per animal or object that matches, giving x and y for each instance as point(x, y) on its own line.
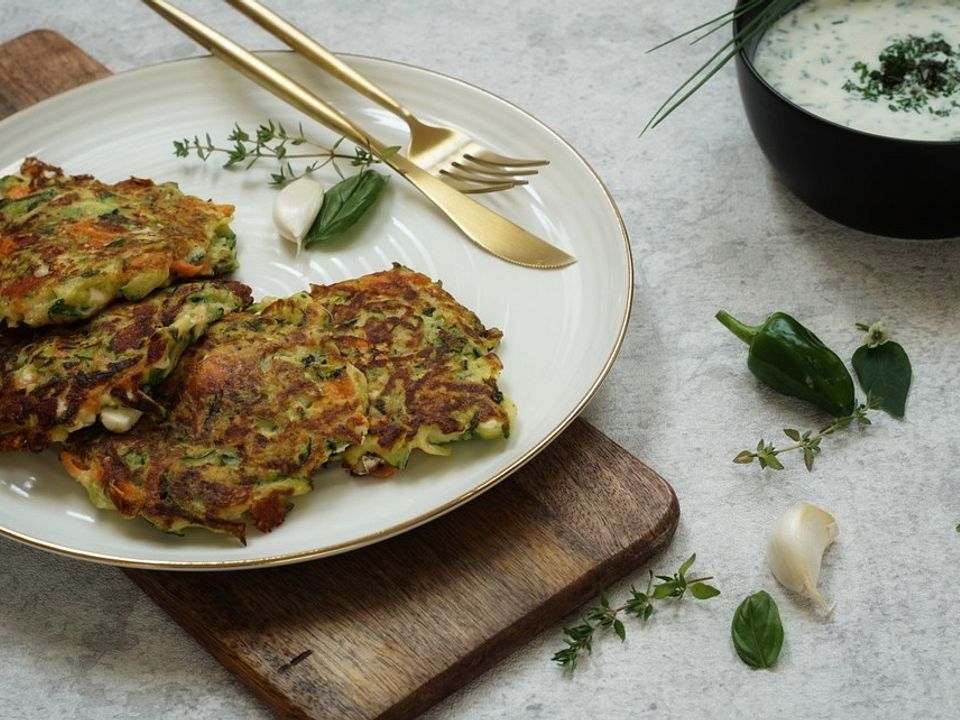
point(119, 419)
point(799, 539)
point(296, 207)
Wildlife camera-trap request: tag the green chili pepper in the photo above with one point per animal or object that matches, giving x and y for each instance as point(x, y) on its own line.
point(792, 360)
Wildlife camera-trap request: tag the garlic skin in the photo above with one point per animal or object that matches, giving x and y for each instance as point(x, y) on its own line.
point(799, 538)
point(296, 207)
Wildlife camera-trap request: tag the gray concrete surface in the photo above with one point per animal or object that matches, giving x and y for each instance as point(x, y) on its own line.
point(711, 227)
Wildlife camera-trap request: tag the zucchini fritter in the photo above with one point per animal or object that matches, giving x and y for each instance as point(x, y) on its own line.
point(70, 245)
point(255, 409)
point(429, 363)
point(364, 370)
point(58, 380)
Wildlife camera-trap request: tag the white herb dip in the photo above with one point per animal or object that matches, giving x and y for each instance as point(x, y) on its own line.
point(808, 56)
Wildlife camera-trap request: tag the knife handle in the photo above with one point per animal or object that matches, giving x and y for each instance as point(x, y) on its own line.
point(305, 45)
point(265, 75)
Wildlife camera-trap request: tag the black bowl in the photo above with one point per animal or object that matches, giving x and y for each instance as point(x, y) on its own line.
point(882, 185)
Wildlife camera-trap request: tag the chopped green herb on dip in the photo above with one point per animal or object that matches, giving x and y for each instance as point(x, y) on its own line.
point(915, 75)
point(888, 67)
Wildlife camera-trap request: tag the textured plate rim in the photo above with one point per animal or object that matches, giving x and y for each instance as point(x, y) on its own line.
point(399, 528)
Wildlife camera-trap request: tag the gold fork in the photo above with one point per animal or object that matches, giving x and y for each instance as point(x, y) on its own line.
point(456, 158)
point(486, 228)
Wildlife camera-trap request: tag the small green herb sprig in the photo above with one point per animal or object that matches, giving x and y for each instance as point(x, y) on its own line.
point(809, 441)
point(884, 373)
point(271, 140)
point(579, 638)
point(883, 369)
point(343, 204)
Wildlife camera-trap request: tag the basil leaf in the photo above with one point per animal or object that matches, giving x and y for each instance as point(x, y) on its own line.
point(344, 204)
point(757, 631)
point(885, 373)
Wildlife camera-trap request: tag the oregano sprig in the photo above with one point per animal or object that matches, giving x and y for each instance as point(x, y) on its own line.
point(272, 140)
point(883, 368)
point(809, 441)
point(604, 616)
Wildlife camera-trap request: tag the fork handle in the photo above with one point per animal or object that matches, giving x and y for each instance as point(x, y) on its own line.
point(483, 226)
point(305, 45)
point(265, 75)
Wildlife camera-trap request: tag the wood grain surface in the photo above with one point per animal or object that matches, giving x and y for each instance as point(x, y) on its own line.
point(388, 630)
point(40, 64)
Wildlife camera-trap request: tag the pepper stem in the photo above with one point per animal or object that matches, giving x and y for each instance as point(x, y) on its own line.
point(744, 332)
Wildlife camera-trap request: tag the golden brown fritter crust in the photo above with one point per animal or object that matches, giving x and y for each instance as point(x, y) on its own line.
point(429, 362)
point(56, 381)
point(69, 246)
point(264, 400)
point(255, 409)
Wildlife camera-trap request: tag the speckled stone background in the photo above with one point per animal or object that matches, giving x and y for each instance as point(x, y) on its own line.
point(711, 227)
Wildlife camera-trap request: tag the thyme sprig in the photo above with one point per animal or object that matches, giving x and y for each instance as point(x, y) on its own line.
point(604, 616)
point(272, 140)
point(768, 11)
point(809, 442)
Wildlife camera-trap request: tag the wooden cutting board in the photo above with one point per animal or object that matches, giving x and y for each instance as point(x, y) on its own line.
point(387, 631)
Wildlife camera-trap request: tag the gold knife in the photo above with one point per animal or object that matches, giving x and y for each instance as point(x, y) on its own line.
point(493, 232)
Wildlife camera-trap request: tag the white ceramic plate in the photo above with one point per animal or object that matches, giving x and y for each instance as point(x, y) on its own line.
point(562, 328)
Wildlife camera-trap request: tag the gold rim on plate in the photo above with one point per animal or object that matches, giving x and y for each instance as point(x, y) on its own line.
point(337, 548)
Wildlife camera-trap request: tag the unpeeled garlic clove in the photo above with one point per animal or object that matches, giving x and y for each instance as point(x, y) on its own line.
point(799, 538)
point(296, 207)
